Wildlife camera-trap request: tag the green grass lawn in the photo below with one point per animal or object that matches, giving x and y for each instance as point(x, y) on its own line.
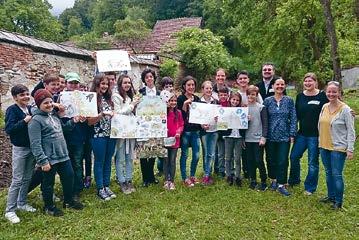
point(214, 212)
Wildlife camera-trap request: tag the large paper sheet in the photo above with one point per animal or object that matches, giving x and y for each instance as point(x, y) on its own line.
point(79, 103)
point(202, 113)
point(150, 121)
point(232, 117)
point(112, 60)
point(123, 126)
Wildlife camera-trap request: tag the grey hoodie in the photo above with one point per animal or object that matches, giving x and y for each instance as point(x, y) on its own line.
point(47, 140)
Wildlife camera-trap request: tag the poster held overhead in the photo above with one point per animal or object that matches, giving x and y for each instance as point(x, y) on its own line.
point(113, 61)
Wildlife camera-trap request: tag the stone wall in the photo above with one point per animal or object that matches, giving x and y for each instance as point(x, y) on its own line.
point(20, 64)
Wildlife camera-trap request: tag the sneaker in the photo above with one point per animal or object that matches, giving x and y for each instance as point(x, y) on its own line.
point(337, 206)
point(87, 182)
point(74, 205)
point(54, 211)
point(253, 185)
point(26, 208)
point(124, 188)
point(166, 185)
point(238, 182)
point(110, 193)
point(194, 180)
point(230, 180)
point(130, 187)
point(273, 186)
point(327, 200)
point(188, 183)
point(282, 190)
point(307, 193)
point(172, 186)
point(103, 194)
point(12, 217)
point(262, 187)
point(205, 180)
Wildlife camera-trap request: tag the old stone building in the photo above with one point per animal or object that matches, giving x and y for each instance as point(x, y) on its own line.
point(25, 60)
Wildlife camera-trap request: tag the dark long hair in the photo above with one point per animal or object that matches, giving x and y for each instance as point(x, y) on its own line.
point(95, 88)
point(130, 93)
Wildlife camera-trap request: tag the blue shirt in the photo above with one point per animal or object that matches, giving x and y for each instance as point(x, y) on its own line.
point(282, 119)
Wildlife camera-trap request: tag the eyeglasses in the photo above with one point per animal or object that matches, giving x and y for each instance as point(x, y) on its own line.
point(267, 69)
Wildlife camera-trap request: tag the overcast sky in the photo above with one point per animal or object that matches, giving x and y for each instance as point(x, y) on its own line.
point(58, 6)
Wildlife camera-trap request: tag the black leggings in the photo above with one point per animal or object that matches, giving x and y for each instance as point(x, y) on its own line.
point(147, 165)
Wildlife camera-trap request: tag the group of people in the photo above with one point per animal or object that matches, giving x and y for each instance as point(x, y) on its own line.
point(45, 143)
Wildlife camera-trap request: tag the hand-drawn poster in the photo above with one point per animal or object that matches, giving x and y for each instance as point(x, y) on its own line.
point(202, 113)
point(123, 126)
point(112, 60)
point(151, 115)
point(150, 121)
point(232, 117)
point(79, 103)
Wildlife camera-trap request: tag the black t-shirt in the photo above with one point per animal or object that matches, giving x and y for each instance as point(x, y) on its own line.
point(308, 109)
point(188, 127)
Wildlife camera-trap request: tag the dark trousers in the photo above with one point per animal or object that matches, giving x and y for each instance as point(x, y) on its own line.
point(169, 165)
point(88, 157)
point(245, 163)
point(147, 165)
point(160, 162)
point(254, 155)
point(278, 159)
point(76, 156)
point(36, 179)
point(64, 169)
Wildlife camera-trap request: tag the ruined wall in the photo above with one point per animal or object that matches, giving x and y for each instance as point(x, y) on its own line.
point(20, 64)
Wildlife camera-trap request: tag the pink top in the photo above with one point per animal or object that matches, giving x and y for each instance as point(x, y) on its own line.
point(174, 126)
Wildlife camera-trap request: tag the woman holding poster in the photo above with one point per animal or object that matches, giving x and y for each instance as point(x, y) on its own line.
point(124, 103)
point(190, 135)
point(103, 146)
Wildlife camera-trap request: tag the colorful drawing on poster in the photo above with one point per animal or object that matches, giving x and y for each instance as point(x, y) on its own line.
point(232, 117)
point(202, 113)
point(79, 103)
point(123, 126)
point(150, 121)
point(112, 60)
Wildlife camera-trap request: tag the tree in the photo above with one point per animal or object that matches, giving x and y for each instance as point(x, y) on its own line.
point(131, 33)
point(201, 51)
point(169, 68)
point(75, 27)
point(332, 38)
point(105, 13)
point(30, 17)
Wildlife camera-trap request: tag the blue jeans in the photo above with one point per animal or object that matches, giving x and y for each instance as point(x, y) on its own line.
point(189, 139)
point(124, 160)
point(333, 162)
point(301, 144)
point(278, 158)
point(103, 149)
point(76, 156)
point(209, 142)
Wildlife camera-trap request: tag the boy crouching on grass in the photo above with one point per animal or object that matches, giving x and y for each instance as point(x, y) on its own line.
point(16, 120)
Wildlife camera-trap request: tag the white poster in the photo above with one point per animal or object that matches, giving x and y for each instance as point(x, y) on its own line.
point(150, 121)
point(112, 60)
point(79, 103)
point(202, 113)
point(232, 117)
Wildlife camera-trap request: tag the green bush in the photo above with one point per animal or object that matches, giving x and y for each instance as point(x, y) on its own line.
point(169, 68)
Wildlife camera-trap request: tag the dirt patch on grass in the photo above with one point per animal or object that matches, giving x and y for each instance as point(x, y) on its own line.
point(5, 160)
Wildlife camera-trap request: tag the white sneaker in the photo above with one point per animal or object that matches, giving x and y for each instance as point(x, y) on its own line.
point(307, 193)
point(12, 217)
point(26, 208)
point(172, 186)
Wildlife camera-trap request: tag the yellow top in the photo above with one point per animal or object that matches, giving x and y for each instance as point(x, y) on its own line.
point(325, 137)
